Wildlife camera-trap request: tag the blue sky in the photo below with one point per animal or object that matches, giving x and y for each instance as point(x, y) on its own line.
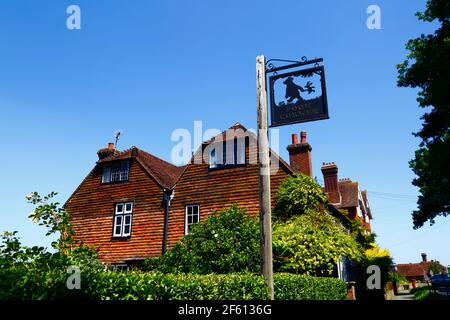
point(150, 67)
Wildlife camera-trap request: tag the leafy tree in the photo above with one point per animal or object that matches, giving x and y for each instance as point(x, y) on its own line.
point(427, 68)
point(398, 278)
point(306, 238)
point(365, 240)
point(298, 195)
point(35, 273)
point(312, 243)
point(435, 267)
point(226, 242)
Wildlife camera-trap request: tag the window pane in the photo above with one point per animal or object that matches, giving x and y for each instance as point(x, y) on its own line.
point(115, 172)
point(194, 209)
point(127, 219)
point(124, 169)
point(240, 151)
point(212, 159)
point(118, 225)
point(126, 230)
point(128, 207)
point(229, 152)
point(119, 208)
point(195, 219)
point(106, 177)
point(189, 219)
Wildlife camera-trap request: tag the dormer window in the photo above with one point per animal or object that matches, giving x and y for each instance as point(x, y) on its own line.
point(116, 172)
point(230, 153)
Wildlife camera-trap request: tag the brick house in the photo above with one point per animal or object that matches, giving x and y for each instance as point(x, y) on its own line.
point(345, 195)
point(132, 205)
point(418, 271)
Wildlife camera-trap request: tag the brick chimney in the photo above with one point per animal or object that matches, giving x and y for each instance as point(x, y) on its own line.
point(424, 257)
point(106, 152)
point(330, 177)
point(300, 155)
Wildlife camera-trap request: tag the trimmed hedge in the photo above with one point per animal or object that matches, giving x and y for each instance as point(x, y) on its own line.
point(138, 285)
point(299, 287)
point(159, 286)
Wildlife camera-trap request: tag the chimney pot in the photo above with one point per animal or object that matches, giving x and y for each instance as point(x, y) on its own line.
point(300, 155)
point(424, 257)
point(106, 152)
point(303, 137)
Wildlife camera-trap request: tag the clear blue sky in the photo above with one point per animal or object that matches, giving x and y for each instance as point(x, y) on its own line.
point(149, 67)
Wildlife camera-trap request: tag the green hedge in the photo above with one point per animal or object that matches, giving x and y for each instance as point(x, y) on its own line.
point(158, 286)
point(299, 287)
point(138, 285)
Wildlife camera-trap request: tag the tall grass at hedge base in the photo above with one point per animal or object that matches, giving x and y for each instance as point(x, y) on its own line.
point(158, 286)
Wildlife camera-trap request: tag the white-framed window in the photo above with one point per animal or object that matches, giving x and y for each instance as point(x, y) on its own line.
point(192, 216)
point(122, 219)
point(231, 153)
point(114, 172)
point(239, 151)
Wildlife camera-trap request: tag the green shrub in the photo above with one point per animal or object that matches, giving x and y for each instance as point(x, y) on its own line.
point(298, 195)
point(137, 285)
point(302, 287)
point(159, 286)
point(311, 244)
point(226, 242)
point(425, 293)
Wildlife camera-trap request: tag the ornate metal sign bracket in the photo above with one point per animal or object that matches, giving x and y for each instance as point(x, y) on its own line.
point(298, 95)
point(270, 67)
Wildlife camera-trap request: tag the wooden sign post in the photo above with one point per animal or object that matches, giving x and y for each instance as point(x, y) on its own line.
point(265, 219)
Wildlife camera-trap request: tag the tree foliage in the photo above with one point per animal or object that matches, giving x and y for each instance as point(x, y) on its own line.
point(312, 243)
point(306, 238)
point(427, 68)
point(226, 242)
point(298, 195)
point(34, 272)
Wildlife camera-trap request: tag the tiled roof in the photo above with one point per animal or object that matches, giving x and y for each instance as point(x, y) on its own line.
point(413, 269)
point(165, 173)
point(349, 194)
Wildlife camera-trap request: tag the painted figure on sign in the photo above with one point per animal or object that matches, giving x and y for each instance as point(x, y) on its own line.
point(293, 90)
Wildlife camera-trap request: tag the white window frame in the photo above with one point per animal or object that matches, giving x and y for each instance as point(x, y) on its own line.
point(122, 215)
point(122, 174)
point(240, 151)
point(186, 215)
point(230, 153)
